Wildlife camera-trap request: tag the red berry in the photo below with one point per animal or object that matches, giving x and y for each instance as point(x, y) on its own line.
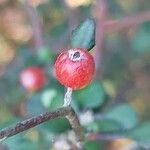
point(75, 68)
point(32, 78)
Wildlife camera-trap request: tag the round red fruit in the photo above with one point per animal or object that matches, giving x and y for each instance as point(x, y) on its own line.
point(75, 68)
point(32, 78)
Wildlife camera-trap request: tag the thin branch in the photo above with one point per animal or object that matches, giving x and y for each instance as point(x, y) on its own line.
point(34, 121)
point(126, 22)
point(75, 124)
point(36, 26)
point(101, 14)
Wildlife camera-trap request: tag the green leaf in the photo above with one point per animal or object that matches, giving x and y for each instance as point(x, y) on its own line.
point(140, 42)
point(45, 55)
point(34, 105)
point(10, 121)
point(146, 26)
point(123, 114)
point(90, 97)
point(108, 125)
point(84, 35)
point(18, 142)
point(92, 145)
point(47, 100)
point(58, 30)
point(56, 125)
point(52, 99)
point(141, 134)
point(103, 125)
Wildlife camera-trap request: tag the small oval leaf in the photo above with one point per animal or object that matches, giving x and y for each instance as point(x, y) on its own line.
point(141, 134)
point(123, 114)
point(93, 96)
point(84, 35)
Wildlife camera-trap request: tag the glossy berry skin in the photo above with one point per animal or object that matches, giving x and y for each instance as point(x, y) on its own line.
point(32, 78)
point(75, 68)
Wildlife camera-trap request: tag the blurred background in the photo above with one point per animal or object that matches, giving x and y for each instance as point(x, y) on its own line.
point(114, 109)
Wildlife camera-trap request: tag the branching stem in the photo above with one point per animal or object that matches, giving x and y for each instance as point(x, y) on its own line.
point(67, 112)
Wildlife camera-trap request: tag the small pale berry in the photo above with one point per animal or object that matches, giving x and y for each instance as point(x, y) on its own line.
point(32, 78)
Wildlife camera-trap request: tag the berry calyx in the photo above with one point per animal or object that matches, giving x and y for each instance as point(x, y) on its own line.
point(32, 78)
point(75, 68)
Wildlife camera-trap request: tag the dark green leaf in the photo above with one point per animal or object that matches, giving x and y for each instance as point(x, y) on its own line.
point(84, 35)
point(92, 96)
point(45, 55)
point(58, 30)
point(92, 145)
point(18, 142)
point(123, 114)
point(35, 100)
point(140, 42)
point(103, 125)
point(146, 26)
point(9, 122)
point(141, 134)
point(52, 99)
point(56, 125)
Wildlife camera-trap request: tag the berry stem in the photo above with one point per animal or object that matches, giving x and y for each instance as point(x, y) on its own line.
point(68, 97)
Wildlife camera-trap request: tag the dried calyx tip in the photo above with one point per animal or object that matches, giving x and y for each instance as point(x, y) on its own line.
point(75, 55)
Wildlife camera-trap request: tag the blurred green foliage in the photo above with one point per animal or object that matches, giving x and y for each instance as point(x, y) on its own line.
point(118, 98)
